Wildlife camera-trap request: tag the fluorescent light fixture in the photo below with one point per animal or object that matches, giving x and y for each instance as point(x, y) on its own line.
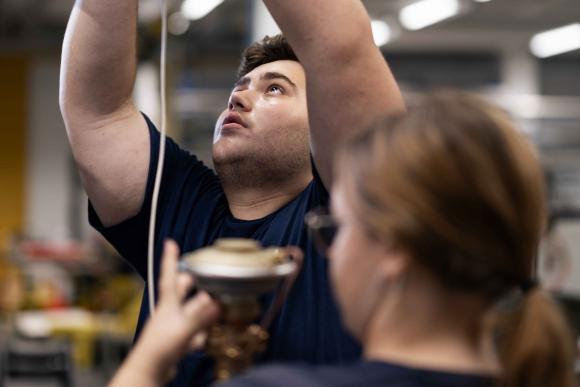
point(381, 32)
point(482, 1)
point(262, 22)
point(556, 41)
point(178, 24)
point(197, 9)
point(427, 12)
point(148, 11)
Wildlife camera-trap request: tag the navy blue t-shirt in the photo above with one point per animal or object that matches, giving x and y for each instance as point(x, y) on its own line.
point(360, 374)
point(193, 211)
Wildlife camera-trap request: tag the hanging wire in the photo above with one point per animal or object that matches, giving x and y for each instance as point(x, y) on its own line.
point(159, 172)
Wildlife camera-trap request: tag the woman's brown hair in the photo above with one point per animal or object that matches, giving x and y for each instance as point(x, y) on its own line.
point(454, 184)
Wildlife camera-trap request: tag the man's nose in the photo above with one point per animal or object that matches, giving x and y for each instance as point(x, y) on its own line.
point(240, 101)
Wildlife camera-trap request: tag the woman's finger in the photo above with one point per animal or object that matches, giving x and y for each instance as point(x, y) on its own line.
point(201, 311)
point(198, 341)
point(168, 275)
point(185, 283)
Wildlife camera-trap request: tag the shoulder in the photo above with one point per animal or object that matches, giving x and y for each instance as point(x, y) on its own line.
point(301, 375)
point(181, 167)
point(368, 374)
point(277, 376)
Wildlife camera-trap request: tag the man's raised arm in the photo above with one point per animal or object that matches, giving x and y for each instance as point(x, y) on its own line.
point(107, 134)
point(349, 83)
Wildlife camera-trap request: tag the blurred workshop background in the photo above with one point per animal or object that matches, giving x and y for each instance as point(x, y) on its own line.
point(68, 302)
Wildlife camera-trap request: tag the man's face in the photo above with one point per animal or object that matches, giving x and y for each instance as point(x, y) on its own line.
point(266, 117)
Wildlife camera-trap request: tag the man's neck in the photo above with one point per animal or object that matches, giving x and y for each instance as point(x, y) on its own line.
point(250, 203)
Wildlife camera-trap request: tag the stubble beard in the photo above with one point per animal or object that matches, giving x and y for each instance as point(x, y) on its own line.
point(262, 169)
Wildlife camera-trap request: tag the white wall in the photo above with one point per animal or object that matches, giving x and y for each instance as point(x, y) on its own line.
point(54, 203)
point(48, 169)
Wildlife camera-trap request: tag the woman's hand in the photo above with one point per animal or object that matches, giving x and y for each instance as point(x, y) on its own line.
point(177, 326)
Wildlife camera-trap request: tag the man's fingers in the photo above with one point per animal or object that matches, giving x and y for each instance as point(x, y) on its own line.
point(168, 277)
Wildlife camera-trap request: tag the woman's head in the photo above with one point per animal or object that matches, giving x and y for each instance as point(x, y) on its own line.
point(453, 190)
point(453, 185)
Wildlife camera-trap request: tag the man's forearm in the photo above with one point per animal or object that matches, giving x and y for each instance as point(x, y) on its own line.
point(323, 28)
point(99, 58)
point(349, 85)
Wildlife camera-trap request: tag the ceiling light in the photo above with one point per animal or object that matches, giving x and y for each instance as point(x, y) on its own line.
point(197, 9)
point(556, 41)
point(381, 32)
point(262, 22)
point(427, 12)
point(178, 24)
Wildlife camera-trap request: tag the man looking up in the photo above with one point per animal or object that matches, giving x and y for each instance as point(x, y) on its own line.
point(273, 160)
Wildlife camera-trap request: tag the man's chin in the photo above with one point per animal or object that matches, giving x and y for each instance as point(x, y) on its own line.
point(221, 158)
point(232, 146)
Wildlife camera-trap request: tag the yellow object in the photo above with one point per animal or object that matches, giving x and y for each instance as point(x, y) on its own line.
point(91, 326)
point(13, 73)
point(83, 338)
point(11, 288)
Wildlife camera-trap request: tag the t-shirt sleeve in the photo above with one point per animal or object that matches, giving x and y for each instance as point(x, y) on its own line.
point(180, 169)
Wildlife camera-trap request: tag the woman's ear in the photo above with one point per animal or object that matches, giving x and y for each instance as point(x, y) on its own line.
point(395, 264)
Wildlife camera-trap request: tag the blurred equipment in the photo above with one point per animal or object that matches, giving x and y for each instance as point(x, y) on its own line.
point(237, 272)
point(38, 359)
point(559, 263)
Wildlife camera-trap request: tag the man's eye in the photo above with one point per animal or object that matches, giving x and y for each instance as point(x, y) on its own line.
point(275, 89)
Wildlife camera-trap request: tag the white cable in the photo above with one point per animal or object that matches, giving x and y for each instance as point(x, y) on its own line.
point(159, 172)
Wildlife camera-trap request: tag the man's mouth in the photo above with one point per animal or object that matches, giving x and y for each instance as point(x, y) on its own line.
point(233, 121)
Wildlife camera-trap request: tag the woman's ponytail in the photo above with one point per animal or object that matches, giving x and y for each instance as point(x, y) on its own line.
point(535, 345)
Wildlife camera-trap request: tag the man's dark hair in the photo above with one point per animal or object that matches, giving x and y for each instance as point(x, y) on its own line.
point(269, 49)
